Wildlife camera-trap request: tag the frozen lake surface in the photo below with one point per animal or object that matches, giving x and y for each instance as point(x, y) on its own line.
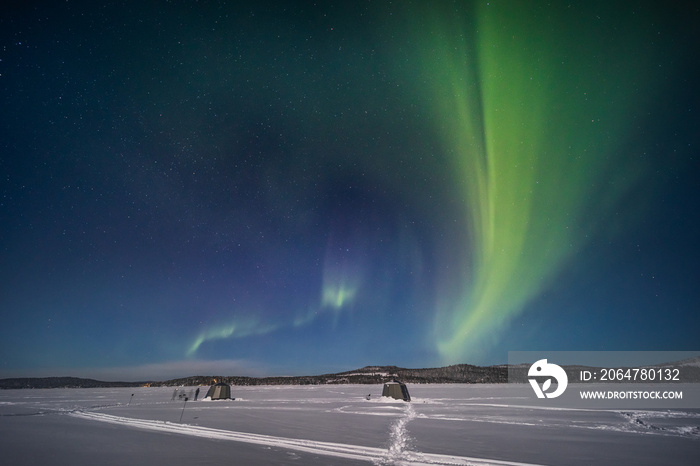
point(333, 424)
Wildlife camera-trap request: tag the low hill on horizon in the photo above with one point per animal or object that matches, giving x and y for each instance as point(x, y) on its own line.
point(459, 373)
point(62, 382)
point(688, 372)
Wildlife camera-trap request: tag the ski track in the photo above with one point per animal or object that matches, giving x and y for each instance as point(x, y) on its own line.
point(396, 454)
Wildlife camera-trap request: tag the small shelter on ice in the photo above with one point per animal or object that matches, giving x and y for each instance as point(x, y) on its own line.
point(396, 389)
point(219, 391)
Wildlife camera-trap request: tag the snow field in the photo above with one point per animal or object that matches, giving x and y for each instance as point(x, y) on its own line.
point(445, 424)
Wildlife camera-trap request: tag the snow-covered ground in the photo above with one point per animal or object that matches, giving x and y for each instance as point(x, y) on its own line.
point(319, 425)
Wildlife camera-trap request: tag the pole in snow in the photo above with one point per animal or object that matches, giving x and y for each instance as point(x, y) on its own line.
point(132, 397)
point(183, 410)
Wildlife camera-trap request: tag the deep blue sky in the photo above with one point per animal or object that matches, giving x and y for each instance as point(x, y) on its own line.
point(270, 188)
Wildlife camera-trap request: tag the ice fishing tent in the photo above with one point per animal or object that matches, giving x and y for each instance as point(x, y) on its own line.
point(219, 391)
point(396, 389)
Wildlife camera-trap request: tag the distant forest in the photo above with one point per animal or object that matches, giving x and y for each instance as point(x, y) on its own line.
point(688, 372)
point(460, 373)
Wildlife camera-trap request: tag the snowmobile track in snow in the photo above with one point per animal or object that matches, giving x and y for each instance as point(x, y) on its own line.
point(376, 455)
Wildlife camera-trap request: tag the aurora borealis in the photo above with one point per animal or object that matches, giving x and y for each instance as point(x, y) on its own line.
point(284, 189)
point(535, 135)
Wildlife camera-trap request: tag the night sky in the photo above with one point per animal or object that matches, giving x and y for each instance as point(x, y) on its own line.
point(298, 188)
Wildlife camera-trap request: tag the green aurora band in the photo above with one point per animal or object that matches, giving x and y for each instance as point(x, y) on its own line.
point(242, 327)
point(536, 107)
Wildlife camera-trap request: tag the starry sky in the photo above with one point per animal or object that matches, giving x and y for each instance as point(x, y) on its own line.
point(282, 188)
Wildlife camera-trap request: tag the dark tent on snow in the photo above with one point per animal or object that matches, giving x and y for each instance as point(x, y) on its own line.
point(219, 391)
point(396, 389)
